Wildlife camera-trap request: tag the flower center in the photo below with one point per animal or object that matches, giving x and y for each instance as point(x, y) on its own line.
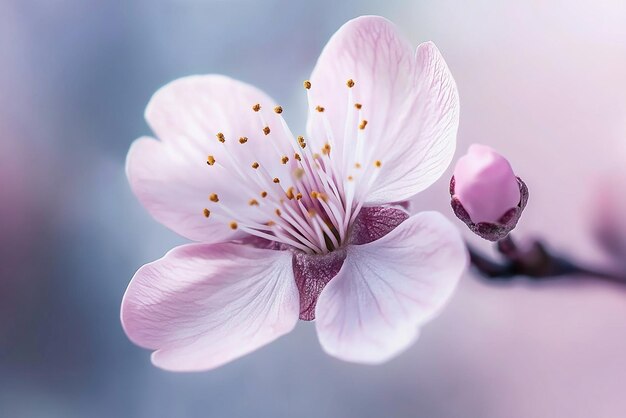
point(309, 195)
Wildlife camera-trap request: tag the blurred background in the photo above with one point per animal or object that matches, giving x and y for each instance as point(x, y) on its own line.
point(542, 82)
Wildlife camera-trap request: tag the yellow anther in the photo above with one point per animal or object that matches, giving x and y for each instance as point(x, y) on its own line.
point(299, 196)
point(363, 124)
point(284, 160)
point(233, 225)
point(276, 180)
point(289, 193)
point(220, 137)
point(314, 194)
point(243, 139)
point(206, 213)
point(253, 202)
point(255, 165)
point(266, 130)
point(213, 197)
point(358, 106)
point(307, 84)
point(320, 109)
point(377, 163)
point(301, 141)
point(297, 156)
point(278, 109)
point(326, 149)
point(256, 107)
point(210, 160)
point(316, 156)
point(263, 194)
point(350, 83)
point(298, 173)
point(323, 196)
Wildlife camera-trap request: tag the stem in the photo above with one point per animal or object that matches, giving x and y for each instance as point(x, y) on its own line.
point(536, 263)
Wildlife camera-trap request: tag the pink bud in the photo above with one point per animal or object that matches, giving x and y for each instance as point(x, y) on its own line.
point(486, 194)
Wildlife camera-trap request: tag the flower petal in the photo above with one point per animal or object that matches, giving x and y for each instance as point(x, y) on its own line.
point(387, 288)
point(171, 177)
point(409, 99)
point(201, 306)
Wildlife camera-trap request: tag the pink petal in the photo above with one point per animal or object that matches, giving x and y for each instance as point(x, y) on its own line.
point(386, 289)
point(201, 305)
point(409, 99)
point(171, 177)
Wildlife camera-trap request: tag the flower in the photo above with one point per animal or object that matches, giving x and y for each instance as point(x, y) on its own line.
point(291, 226)
point(486, 194)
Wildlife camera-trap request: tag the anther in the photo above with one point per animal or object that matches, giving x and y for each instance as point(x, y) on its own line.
point(350, 83)
point(289, 193)
point(363, 124)
point(301, 141)
point(220, 137)
point(326, 149)
point(266, 130)
point(253, 202)
point(256, 107)
point(314, 194)
point(276, 180)
point(312, 212)
point(243, 139)
point(284, 160)
point(297, 156)
point(263, 194)
point(358, 106)
point(298, 173)
point(320, 109)
point(255, 165)
point(377, 163)
point(278, 212)
point(278, 109)
point(270, 223)
point(213, 197)
point(210, 160)
point(350, 178)
point(357, 165)
point(298, 196)
point(307, 84)
point(206, 212)
point(233, 225)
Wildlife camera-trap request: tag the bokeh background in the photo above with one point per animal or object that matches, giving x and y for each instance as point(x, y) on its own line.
point(544, 82)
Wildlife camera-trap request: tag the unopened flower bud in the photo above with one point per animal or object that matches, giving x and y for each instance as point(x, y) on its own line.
point(486, 194)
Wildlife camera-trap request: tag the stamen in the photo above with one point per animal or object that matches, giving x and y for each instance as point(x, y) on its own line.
point(263, 194)
point(233, 225)
point(278, 109)
point(276, 180)
point(213, 197)
point(289, 193)
point(358, 106)
point(357, 165)
point(350, 83)
point(320, 109)
point(326, 149)
point(206, 213)
point(243, 139)
point(255, 165)
point(301, 141)
point(363, 124)
point(253, 202)
point(284, 160)
point(298, 173)
point(307, 84)
point(297, 156)
point(266, 130)
point(377, 163)
point(278, 212)
point(210, 160)
point(220, 137)
point(256, 107)
point(350, 178)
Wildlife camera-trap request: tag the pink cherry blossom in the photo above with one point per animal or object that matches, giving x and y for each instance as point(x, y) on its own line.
point(292, 227)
